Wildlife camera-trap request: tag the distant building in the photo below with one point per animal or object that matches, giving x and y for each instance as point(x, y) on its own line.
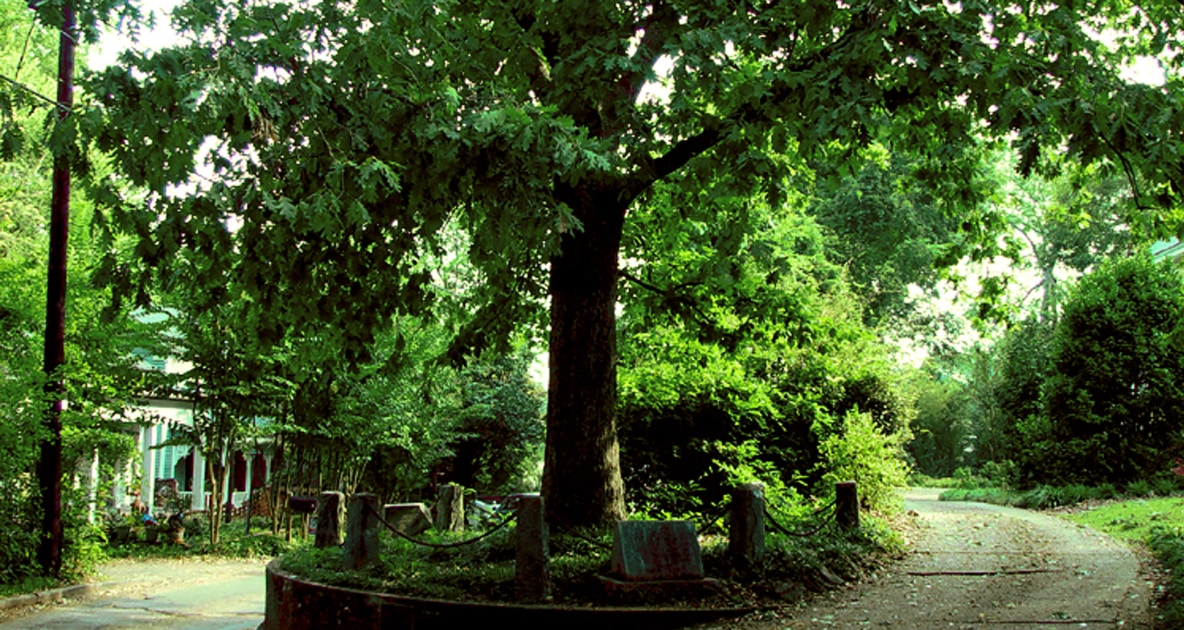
point(1171, 249)
point(180, 466)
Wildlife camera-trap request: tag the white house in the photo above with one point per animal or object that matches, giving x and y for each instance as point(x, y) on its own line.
point(184, 465)
point(180, 465)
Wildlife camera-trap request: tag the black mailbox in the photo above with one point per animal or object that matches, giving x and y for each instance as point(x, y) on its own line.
point(302, 505)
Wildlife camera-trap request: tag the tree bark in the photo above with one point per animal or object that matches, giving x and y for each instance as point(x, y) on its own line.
point(582, 477)
point(216, 508)
point(49, 465)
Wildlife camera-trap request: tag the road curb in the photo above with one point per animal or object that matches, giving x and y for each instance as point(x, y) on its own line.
point(74, 591)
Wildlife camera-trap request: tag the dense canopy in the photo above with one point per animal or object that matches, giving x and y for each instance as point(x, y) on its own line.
point(303, 160)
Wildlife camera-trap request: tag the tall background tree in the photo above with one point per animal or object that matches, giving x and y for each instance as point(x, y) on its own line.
point(331, 143)
point(1112, 399)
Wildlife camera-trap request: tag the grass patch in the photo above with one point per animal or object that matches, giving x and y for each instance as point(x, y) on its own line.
point(484, 570)
point(1038, 498)
point(1135, 519)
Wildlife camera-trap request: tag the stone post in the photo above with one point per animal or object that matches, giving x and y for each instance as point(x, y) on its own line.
point(330, 514)
point(746, 529)
point(532, 575)
point(846, 505)
point(450, 508)
point(361, 535)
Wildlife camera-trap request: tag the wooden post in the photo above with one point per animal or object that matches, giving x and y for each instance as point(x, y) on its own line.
point(532, 578)
point(49, 462)
point(330, 513)
point(746, 528)
point(361, 536)
point(846, 505)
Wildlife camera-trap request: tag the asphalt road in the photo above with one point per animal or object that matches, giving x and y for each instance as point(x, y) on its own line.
point(207, 595)
point(978, 566)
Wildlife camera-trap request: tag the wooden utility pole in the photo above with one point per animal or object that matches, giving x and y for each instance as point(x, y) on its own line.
point(49, 467)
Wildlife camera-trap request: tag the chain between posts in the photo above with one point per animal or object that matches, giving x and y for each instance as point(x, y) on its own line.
point(711, 522)
point(777, 526)
point(422, 543)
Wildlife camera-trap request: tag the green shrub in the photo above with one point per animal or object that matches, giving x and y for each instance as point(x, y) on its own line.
point(863, 453)
point(1168, 545)
point(1165, 485)
point(1113, 398)
point(18, 544)
point(1140, 488)
point(82, 551)
point(1000, 474)
point(966, 478)
point(921, 480)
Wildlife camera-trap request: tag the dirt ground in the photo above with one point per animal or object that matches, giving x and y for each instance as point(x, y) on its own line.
point(984, 566)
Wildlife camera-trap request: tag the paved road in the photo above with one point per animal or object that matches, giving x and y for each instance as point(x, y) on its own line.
point(222, 594)
point(989, 567)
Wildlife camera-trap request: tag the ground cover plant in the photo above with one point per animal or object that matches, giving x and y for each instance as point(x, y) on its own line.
point(795, 565)
point(235, 542)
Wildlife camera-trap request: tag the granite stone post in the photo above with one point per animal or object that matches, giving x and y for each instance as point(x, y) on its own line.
point(450, 508)
point(330, 520)
point(361, 534)
point(532, 576)
point(847, 505)
point(746, 529)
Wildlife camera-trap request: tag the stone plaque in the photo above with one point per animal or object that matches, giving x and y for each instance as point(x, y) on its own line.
point(656, 550)
point(412, 519)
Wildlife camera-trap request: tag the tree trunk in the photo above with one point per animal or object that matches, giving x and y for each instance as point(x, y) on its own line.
point(582, 478)
point(217, 474)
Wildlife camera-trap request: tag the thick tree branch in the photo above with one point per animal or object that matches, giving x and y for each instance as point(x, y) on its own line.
point(639, 282)
point(670, 296)
point(755, 111)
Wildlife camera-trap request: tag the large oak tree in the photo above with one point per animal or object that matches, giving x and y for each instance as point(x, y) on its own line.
point(302, 158)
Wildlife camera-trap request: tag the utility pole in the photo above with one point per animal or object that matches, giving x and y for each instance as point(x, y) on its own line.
point(49, 467)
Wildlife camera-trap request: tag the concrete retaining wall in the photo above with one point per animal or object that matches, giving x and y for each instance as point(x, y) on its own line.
point(297, 604)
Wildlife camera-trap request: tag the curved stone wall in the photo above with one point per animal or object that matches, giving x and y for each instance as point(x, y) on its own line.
point(297, 604)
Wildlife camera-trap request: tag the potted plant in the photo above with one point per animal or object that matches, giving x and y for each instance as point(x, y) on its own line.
point(176, 528)
point(119, 529)
point(151, 529)
point(172, 504)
